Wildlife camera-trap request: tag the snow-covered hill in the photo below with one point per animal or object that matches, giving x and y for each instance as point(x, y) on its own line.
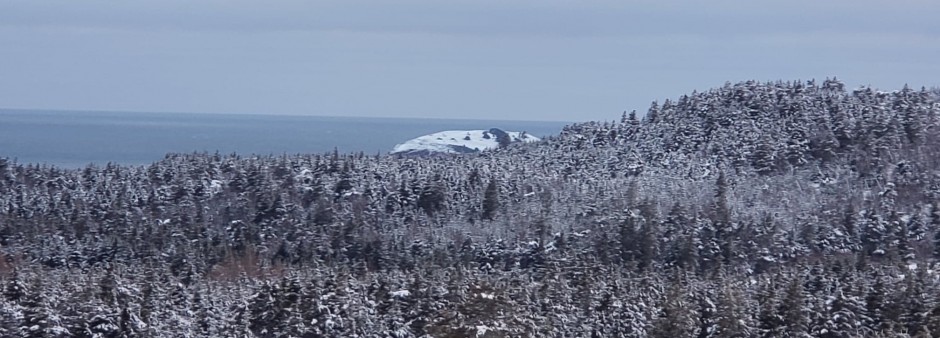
point(460, 141)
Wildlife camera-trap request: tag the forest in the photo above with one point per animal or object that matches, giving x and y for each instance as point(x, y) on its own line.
point(778, 209)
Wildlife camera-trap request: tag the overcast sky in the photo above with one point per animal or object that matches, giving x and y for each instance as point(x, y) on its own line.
point(501, 59)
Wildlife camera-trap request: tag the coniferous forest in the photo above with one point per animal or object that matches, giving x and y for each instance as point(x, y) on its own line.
point(782, 209)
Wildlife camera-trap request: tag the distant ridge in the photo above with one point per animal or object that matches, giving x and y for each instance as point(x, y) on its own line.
point(461, 141)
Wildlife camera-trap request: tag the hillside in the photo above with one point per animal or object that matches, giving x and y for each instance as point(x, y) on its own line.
point(461, 142)
point(752, 209)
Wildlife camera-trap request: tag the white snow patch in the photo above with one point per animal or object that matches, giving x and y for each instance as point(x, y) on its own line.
point(448, 141)
point(481, 330)
point(400, 293)
point(215, 187)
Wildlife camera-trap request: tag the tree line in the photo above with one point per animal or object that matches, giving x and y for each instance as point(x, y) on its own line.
point(778, 209)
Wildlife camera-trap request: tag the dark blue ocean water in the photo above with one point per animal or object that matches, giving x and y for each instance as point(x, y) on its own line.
point(76, 138)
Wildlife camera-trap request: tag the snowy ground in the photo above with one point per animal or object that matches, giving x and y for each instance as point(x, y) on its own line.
point(459, 141)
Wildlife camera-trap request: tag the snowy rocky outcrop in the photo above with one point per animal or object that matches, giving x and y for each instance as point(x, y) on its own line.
point(461, 141)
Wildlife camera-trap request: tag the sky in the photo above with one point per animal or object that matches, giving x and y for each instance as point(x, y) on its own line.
point(482, 59)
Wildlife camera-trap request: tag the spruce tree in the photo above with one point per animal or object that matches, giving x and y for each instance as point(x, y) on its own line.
point(770, 322)
point(724, 229)
point(628, 238)
point(673, 318)
point(875, 304)
point(14, 290)
point(733, 319)
point(792, 309)
point(35, 322)
point(914, 301)
point(935, 225)
point(933, 317)
point(490, 201)
point(842, 318)
point(648, 244)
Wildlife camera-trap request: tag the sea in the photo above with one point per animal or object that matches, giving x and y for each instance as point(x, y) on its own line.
point(76, 139)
